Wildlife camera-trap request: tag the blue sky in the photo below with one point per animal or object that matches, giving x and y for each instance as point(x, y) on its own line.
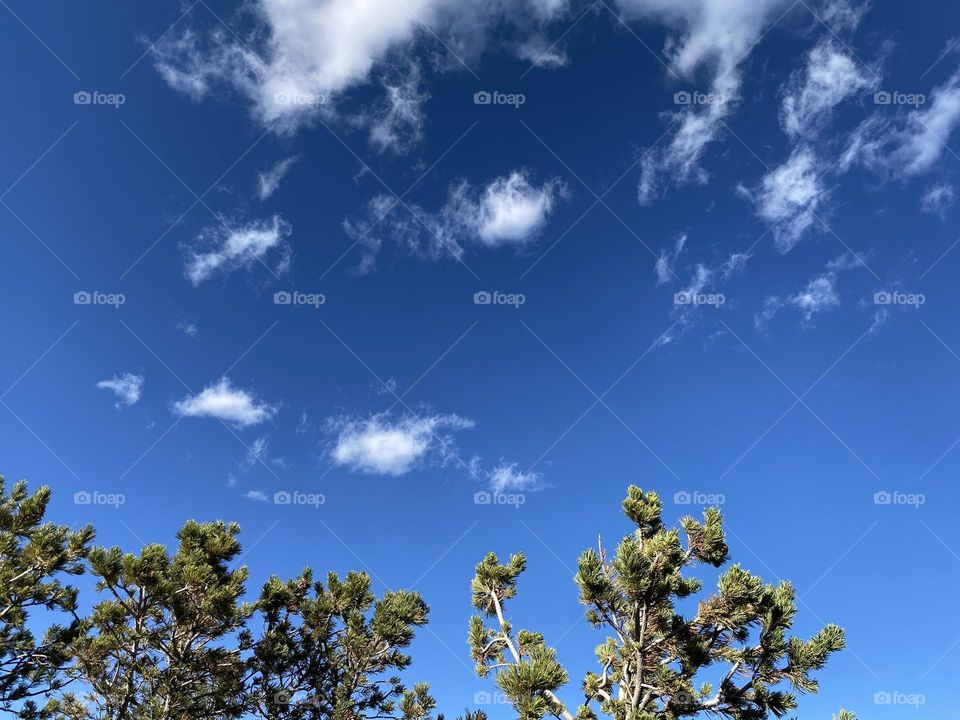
point(704, 246)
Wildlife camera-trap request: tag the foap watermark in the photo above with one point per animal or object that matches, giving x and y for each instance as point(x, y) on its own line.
point(485, 697)
point(695, 497)
point(95, 497)
point(295, 497)
point(483, 97)
point(95, 97)
point(914, 500)
point(899, 298)
point(295, 297)
point(895, 697)
point(683, 97)
point(485, 497)
point(299, 99)
point(886, 97)
point(499, 298)
point(685, 297)
point(84, 297)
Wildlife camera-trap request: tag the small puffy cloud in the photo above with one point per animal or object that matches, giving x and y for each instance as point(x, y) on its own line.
point(225, 402)
point(830, 77)
point(789, 196)
point(240, 247)
point(507, 478)
point(938, 199)
point(269, 180)
point(510, 210)
point(257, 495)
point(126, 387)
point(819, 295)
point(381, 445)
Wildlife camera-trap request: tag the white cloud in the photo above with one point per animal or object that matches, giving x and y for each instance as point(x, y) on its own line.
point(663, 268)
point(382, 445)
point(126, 387)
point(269, 180)
point(938, 199)
point(718, 34)
point(840, 15)
point(878, 320)
point(303, 56)
point(506, 478)
point(240, 248)
point(188, 327)
point(830, 77)
point(510, 210)
point(257, 495)
point(398, 123)
point(908, 145)
point(789, 196)
point(734, 264)
point(227, 403)
point(819, 295)
point(771, 306)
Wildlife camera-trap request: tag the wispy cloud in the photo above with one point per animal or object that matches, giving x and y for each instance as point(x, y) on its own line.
point(240, 247)
point(505, 477)
point(508, 211)
point(127, 387)
point(269, 180)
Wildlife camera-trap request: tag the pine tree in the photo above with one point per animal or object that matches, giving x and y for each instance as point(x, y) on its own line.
point(33, 557)
point(653, 659)
point(324, 652)
point(167, 642)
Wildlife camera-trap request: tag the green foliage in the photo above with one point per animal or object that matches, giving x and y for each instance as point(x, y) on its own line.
point(653, 656)
point(33, 557)
point(324, 651)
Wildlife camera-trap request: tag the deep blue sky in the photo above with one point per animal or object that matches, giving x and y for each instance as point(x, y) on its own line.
point(710, 401)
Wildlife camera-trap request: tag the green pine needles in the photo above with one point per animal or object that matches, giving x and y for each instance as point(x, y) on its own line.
point(653, 659)
point(172, 633)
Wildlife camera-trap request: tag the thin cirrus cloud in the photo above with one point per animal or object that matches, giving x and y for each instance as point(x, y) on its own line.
point(240, 247)
point(385, 445)
point(223, 401)
point(127, 387)
point(269, 180)
point(508, 211)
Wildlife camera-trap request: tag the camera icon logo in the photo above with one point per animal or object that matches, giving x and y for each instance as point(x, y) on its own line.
point(682, 298)
point(282, 298)
point(282, 498)
point(82, 498)
point(882, 498)
point(882, 98)
point(482, 498)
point(82, 98)
point(882, 298)
point(82, 298)
point(482, 298)
point(882, 698)
point(682, 498)
point(681, 98)
point(482, 98)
